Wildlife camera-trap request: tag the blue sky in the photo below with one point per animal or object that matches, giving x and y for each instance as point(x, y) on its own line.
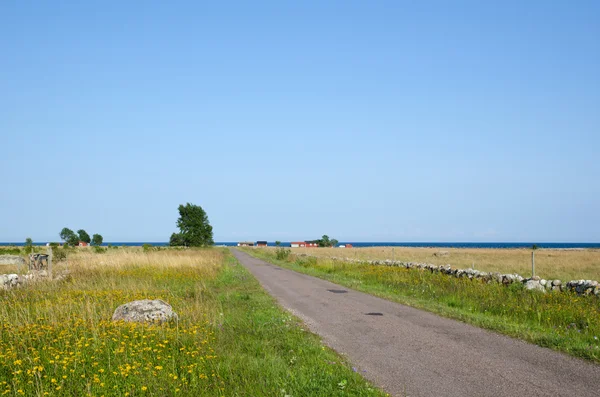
point(368, 121)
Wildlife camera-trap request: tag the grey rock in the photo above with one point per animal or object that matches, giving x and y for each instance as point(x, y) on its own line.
point(9, 280)
point(533, 284)
point(11, 260)
point(145, 311)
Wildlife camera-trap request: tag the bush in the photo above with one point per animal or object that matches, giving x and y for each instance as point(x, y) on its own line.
point(99, 250)
point(59, 254)
point(147, 247)
point(282, 253)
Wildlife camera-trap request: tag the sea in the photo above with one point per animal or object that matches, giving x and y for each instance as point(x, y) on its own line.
point(385, 244)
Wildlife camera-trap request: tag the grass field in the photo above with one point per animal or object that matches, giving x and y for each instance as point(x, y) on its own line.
point(57, 338)
point(549, 263)
point(561, 321)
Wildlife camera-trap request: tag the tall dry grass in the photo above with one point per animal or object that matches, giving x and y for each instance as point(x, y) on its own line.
point(549, 263)
point(134, 257)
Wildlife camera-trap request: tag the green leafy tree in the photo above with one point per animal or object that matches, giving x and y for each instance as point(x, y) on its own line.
point(97, 239)
point(194, 228)
point(176, 240)
point(277, 243)
point(69, 237)
point(83, 236)
point(65, 233)
point(28, 244)
point(324, 241)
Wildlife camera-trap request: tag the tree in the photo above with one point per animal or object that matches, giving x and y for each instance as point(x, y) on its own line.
point(176, 240)
point(69, 236)
point(194, 228)
point(83, 236)
point(97, 239)
point(324, 241)
point(277, 243)
point(28, 244)
point(65, 233)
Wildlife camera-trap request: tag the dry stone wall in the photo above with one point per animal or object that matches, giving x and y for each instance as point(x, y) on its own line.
point(581, 287)
point(8, 281)
point(11, 260)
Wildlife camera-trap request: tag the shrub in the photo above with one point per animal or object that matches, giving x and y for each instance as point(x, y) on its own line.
point(99, 250)
point(147, 247)
point(59, 254)
point(282, 253)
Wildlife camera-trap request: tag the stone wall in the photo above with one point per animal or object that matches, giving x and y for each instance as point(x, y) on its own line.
point(8, 281)
point(581, 287)
point(11, 260)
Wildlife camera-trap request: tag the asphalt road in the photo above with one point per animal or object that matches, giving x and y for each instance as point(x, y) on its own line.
point(409, 352)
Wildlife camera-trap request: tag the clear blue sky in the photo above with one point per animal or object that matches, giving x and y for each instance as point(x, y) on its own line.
point(365, 120)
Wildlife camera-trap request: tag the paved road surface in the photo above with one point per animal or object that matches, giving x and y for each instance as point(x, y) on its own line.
point(409, 352)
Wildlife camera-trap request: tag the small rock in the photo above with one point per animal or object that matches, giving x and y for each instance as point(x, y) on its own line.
point(533, 284)
point(145, 311)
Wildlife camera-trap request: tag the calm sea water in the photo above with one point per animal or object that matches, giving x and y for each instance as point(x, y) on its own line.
point(388, 244)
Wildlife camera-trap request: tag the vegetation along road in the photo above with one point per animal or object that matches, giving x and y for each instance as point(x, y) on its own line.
point(411, 352)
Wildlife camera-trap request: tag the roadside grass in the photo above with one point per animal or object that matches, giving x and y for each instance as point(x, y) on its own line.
point(57, 338)
point(561, 321)
point(549, 263)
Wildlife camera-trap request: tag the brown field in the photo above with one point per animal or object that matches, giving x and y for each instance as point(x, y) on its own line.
point(549, 263)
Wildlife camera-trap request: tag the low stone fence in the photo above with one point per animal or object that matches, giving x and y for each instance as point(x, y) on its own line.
point(8, 281)
point(581, 287)
point(11, 260)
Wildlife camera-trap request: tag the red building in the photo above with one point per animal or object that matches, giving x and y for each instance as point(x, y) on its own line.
point(303, 244)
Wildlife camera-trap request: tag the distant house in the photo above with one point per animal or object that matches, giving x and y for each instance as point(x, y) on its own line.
point(261, 243)
point(246, 244)
point(82, 244)
point(348, 245)
point(298, 244)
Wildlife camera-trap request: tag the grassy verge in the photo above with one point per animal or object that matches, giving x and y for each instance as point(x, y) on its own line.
point(549, 263)
point(231, 339)
point(561, 321)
